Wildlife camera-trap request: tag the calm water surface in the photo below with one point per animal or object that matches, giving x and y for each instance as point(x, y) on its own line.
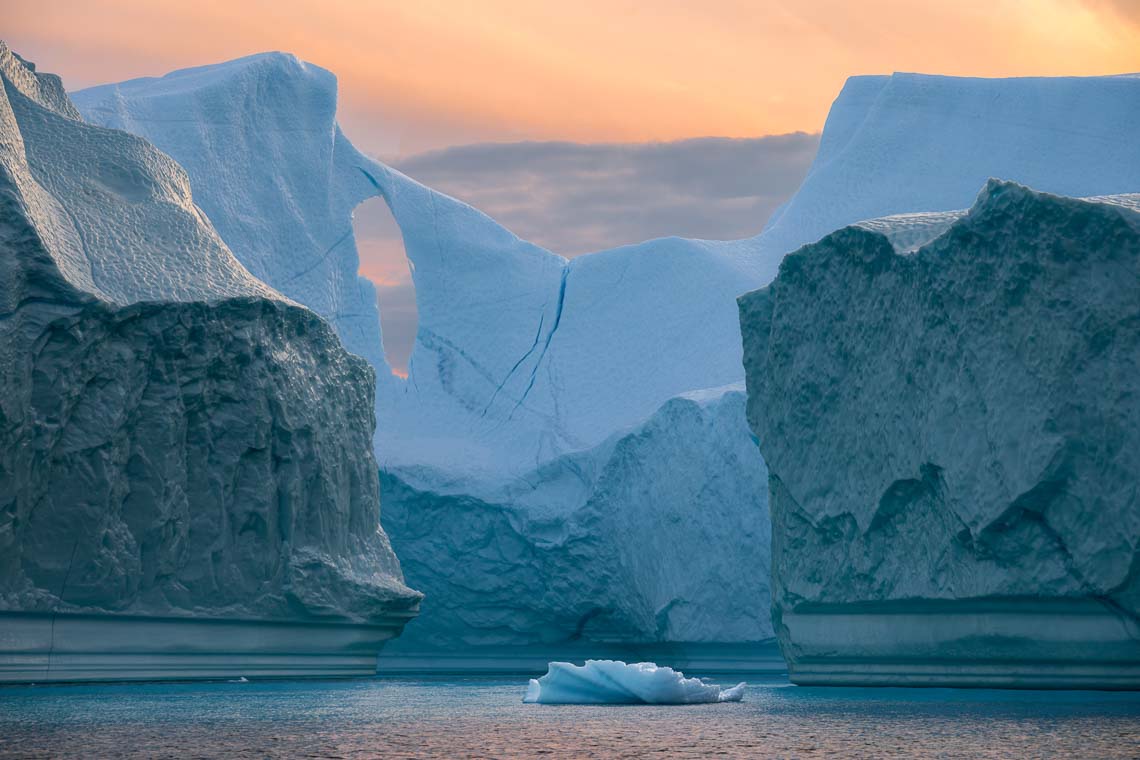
point(454, 718)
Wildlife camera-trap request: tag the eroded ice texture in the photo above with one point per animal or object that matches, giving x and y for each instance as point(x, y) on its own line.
point(527, 363)
point(952, 435)
point(611, 682)
point(270, 169)
point(584, 546)
point(176, 438)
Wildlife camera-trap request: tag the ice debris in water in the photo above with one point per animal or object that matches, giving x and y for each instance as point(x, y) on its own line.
point(612, 682)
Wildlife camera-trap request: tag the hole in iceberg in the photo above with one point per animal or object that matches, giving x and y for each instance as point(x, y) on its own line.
point(384, 261)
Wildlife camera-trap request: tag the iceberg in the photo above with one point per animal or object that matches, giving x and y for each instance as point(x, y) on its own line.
point(611, 682)
point(951, 433)
point(188, 483)
point(518, 359)
point(518, 400)
point(529, 366)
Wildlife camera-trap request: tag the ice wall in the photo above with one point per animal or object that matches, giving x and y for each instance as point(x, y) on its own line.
point(178, 442)
point(952, 440)
point(659, 534)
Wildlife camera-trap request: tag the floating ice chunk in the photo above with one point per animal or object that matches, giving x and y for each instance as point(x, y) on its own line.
point(612, 682)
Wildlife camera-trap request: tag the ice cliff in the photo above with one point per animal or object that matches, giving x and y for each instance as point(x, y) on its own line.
point(178, 442)
point(259, 142)
point(528, 363)
point(952, 434)
point(602, 544)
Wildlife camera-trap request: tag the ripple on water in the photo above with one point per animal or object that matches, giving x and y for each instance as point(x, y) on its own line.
point(451, 718)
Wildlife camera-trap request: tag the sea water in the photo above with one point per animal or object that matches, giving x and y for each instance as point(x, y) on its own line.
point(485, 717)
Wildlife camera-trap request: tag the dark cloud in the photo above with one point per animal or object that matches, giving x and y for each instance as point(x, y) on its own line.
point(575, 198)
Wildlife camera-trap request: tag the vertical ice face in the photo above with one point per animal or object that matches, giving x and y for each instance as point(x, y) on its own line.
point(176, 438)
point(952, 437)
point(658, 534)
point(259, 140)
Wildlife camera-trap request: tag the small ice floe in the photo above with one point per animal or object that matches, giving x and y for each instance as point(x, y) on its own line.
point(612, 682)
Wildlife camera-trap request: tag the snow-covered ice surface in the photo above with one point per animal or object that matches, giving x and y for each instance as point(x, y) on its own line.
point(611, 682)
point(526, 361)
point(178, 440)
point(914, 143)
point(952, 434)
point(114, 214)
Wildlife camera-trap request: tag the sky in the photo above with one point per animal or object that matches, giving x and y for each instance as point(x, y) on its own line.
point(426, 74)
point(582, 125)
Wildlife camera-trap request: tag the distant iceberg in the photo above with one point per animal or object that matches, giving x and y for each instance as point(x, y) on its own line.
point(611, 682)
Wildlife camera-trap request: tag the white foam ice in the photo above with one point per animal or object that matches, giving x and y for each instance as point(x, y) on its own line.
point(613, 682)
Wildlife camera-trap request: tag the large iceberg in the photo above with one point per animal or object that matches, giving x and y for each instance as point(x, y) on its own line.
point(529, 365)
point(188, 483)
point(952, 430)
point(611, 682)
point(518, 400)
point(517, 360)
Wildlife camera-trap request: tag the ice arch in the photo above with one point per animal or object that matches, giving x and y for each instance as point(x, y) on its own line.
point(523, 355)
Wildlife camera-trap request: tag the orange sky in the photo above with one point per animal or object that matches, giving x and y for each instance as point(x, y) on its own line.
point(419, 74)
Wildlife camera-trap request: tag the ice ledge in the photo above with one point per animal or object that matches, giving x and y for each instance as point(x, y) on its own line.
point(42, 647)
point(1027, 643)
